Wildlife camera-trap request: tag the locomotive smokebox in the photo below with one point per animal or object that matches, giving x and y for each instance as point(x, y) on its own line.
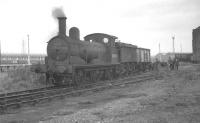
point(62, 26)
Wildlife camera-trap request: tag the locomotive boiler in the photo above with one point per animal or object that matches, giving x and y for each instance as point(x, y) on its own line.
point(64, 51)
point(98, 57)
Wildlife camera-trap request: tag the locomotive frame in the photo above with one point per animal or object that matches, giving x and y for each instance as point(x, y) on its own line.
point(99, 57)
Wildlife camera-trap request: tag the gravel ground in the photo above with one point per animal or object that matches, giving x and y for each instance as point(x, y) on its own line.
point(174, 98)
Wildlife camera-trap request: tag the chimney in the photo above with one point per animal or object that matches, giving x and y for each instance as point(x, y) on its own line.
point(62, 26)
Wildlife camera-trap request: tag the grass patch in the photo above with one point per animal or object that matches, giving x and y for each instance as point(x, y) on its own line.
point(192, 76)
point(21, 79)
point(198, 68)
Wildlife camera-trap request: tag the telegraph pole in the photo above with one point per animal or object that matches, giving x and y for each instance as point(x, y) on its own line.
point(28, 52)
point(159, 51)
point(159, 47)
point(23, 47)
point(0, 52)
point(173, 38)
point(181, 48)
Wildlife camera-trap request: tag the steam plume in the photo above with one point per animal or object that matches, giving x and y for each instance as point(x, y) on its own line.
point(58, 12)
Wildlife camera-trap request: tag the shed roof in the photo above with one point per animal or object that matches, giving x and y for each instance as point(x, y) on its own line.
point(101, 34)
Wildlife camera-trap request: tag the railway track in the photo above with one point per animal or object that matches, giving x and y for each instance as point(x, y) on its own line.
point(18, 99)
point(27, 91)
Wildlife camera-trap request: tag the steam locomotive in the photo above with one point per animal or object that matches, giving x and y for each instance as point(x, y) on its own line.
point(98, 57)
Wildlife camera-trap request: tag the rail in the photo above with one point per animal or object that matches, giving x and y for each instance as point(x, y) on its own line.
point(11, 101)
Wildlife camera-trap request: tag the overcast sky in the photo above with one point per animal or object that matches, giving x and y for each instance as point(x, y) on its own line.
point(144, 23)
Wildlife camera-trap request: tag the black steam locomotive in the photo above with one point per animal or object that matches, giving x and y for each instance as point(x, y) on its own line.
point(98, 57)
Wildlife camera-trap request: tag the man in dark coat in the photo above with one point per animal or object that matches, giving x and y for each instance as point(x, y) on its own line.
point(176, 64)
point(170, 63)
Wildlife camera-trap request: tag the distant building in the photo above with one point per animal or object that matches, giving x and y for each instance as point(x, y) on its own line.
point(22, 59)
point(184, 57)
point(196, 44)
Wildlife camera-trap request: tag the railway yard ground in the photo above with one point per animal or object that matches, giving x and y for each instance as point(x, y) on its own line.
point(172, 98)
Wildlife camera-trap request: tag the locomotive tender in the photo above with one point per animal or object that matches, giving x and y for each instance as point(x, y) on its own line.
point(98, 57)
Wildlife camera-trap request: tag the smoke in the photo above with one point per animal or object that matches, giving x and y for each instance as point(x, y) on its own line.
point(58, 12)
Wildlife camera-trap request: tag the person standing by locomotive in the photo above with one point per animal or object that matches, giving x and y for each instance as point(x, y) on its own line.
point(156, 65)
point(170, 63)
point(176, 64)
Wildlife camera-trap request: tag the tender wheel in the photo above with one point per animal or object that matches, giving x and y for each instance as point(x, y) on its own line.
point(107, 74)
point(93, 76)
point(79, 77)
point(52, 80)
